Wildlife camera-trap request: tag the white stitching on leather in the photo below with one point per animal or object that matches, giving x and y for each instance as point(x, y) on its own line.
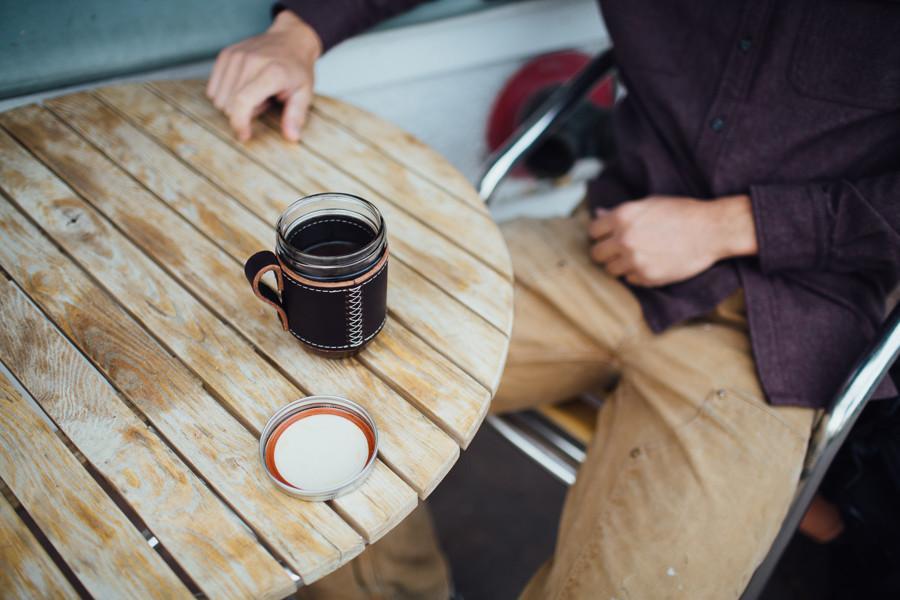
point(355, 316)
point(315, 345)
point(308, 225)
point(356, 289)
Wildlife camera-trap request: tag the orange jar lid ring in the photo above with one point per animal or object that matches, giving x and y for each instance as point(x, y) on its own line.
point(298, 410)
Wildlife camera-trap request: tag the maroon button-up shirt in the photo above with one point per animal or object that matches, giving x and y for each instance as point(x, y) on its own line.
point(796, 104)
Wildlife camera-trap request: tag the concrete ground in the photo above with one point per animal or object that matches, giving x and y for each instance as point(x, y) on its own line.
point(496, 513)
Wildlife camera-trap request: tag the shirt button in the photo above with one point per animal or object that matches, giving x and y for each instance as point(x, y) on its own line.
point(717, 124)
point(745, 44)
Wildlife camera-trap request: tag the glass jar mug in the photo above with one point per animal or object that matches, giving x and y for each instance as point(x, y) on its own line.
point(330, 265)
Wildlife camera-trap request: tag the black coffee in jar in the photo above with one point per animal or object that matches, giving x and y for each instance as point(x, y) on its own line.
point(331, 235)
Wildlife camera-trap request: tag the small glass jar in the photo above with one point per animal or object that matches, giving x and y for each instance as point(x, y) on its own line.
point(330, 236)
point(330, 264)
point(311, 406)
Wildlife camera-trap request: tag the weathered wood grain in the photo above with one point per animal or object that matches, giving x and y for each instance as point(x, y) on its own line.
point(8, 495)
point(441, 321)
point(442, 391)
point(248, 384)
point(465, 224)
point(472, 343)
point(378, 505)
point(201, 533)
point(27, 571)
point(108, 555)
point(470, 227)
point(447, 265)
point(400, 146)
point(228, 222)
point(458, 410)
point(167, 205)
point(169, 309)
point(205, 269)
point(311, 537)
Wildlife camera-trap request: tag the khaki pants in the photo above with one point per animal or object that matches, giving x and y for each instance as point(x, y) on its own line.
point(690, 471)
point(406, 564)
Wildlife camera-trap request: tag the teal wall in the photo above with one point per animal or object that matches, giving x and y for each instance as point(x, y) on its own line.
point(47, 44)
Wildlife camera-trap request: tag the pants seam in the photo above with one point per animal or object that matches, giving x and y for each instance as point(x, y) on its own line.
point(803, 437)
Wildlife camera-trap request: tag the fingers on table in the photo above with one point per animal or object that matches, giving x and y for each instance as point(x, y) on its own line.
point(252, 88)
point(242, 84)
point(295, 109)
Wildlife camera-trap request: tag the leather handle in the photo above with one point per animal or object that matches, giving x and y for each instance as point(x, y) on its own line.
point(258, 265)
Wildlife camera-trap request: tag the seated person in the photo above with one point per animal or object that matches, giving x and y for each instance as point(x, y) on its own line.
point(734, 263)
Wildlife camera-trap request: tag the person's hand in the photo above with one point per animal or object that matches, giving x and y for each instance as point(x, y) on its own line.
point(664, 239)
point(278, 63)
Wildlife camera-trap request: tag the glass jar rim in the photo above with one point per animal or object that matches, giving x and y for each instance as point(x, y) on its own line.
point(344, 261)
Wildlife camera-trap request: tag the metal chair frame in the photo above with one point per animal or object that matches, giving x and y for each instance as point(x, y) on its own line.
point(560, 455)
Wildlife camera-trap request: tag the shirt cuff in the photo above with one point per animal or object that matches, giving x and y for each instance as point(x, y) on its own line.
point(324, 19)
point(791, 226)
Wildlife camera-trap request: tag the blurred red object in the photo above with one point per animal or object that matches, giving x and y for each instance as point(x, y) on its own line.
point(538, 77)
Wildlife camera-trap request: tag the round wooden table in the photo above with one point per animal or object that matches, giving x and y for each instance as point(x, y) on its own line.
point(125, 215)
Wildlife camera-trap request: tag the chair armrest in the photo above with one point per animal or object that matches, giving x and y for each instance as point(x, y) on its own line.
point(829, 435)
point(542, 122)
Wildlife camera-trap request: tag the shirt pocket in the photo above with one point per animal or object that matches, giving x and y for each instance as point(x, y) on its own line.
point(848, 51)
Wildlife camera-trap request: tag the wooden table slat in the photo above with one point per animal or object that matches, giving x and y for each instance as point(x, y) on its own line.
point(443, 212)
point(28, 571)
point(231, 224)
point(401, 356)
point(464, 224)
point(201, 533)
point(126, 214)
point(148, 163)
point(379, 504)
point(168, 310)
point(436, 317)
point(108, 555)
point(311, 537)
point(211, 349)
point(424, 308)
point(254, 183)
point(447, 325)
point(401, 147)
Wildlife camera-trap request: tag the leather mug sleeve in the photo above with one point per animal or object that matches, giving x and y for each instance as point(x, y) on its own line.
point(374, 304)
point(254, 268)
point(342, 318)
